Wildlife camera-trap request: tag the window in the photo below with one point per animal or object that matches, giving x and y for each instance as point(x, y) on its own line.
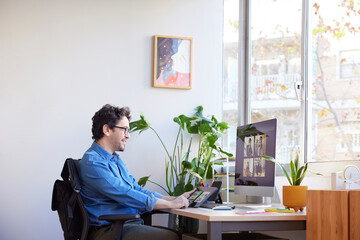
point(353, 138)
point(349, 63)
point(318, 113)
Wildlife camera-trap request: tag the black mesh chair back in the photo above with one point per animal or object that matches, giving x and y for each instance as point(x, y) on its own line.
point(66, 200)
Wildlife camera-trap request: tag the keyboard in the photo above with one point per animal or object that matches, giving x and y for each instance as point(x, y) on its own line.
point(253, 206)
point(212, 205)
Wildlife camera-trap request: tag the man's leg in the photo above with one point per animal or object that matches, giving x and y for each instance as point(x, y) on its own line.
point(138, 232)
point(135, 231)
point(103, 233)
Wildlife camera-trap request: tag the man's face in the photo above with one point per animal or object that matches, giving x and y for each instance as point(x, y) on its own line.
point(118, 137)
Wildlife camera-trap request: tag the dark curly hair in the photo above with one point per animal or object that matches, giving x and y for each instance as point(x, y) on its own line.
point(109, 115)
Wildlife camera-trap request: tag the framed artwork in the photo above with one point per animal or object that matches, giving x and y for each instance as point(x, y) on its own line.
point(172, 62)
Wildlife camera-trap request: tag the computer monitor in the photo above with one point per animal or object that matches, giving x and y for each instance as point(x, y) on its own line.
point(255, 176)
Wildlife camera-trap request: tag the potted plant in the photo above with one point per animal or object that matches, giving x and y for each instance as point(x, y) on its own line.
point(182, 174)
point(294, 196)
point(177, 170)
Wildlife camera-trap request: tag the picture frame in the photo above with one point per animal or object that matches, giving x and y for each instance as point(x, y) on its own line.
point(173, 62)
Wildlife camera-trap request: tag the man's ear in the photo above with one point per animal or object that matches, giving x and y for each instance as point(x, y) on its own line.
point(106, 130)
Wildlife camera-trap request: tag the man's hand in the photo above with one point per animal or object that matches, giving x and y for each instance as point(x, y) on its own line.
point(180, 202)
point(168, 202)
point(187, 194)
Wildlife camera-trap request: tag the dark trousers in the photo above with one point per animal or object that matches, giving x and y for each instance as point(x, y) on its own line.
point(133, 230)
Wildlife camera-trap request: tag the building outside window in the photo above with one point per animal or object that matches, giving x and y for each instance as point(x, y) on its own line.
point(288, 39)
point(349, 64)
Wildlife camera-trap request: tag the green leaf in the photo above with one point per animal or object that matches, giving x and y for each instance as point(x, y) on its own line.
point(223, 126)
point(211, 139)
point(187, 165)
point(204, 127)
point(183, 120)
point(214, 120)
point(194, 162)
point(201, 169)
point(315, 173)
point(226, 153)
point(298, 175)
point(192, 129)
point(168, 192)
point(209, 173)
point(292, 172)
point(179, 189)
point(178, 121)
point(183, 173)
point(139, 125)
point(196, 175)
point(297, 162)
point(187, 154)
point(199, 111)
point(303, 174)
point(142, 181)
point(189, 187)
point(168, 182)
point(268, 158)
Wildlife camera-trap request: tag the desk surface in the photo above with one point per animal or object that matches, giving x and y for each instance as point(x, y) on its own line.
point(219, 221)
point(231, 215)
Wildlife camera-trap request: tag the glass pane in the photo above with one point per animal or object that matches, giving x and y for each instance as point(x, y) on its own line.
point(230, 101)
point(335, 80)
point(275, 68)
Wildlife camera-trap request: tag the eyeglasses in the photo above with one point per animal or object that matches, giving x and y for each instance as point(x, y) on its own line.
point(126, 130)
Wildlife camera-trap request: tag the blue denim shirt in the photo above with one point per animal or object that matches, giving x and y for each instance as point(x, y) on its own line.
point(108, 188)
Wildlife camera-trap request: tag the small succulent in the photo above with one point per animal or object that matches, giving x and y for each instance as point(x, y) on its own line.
point(297, 172)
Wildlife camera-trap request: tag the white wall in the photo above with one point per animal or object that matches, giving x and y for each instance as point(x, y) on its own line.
point(60, 61)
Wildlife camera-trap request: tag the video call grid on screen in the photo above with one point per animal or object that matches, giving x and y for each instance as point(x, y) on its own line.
point(254, 140)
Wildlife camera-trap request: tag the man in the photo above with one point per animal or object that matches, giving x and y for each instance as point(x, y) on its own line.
point(107, 186)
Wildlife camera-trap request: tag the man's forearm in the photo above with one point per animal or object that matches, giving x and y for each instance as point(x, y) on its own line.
point(162, 204)
point(168, 198)
point(180, 202)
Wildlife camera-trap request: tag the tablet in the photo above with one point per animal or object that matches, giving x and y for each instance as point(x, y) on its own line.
point(200, 196)
point(216, 196)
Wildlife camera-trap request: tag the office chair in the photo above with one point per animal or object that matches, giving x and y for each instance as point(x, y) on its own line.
point(73, 216)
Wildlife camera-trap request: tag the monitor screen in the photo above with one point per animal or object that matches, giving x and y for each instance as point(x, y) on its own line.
point(255, 176)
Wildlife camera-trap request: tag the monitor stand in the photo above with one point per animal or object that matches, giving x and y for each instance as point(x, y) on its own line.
point(262, 201)
point(258, 200)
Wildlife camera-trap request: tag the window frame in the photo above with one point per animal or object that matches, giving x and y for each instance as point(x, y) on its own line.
point(244, 74)
point(244, 58)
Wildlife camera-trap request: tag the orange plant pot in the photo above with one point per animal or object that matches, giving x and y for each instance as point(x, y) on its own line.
point(294, 197)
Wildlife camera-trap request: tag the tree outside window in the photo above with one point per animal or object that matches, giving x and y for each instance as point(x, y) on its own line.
point(276, 71)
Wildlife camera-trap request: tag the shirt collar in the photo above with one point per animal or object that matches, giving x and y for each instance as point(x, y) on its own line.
point(103, 153)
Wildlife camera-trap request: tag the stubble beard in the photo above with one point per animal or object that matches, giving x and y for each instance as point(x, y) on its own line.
point(122, 146)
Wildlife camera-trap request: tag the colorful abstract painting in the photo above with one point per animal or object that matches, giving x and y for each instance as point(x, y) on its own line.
point(172, 62)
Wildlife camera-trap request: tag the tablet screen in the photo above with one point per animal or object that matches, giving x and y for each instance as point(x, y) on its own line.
point(200, 196)
point(194, 196)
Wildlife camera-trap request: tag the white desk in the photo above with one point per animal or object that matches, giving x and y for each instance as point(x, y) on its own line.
point(226, 221)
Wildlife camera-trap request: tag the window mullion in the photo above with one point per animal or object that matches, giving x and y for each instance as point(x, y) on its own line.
point(244, 62)
point(305, 127)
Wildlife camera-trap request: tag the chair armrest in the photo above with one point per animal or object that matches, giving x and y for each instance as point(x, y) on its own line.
point(117, 222)
point(158, 212)
point(117, 217)
point(147, 216)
